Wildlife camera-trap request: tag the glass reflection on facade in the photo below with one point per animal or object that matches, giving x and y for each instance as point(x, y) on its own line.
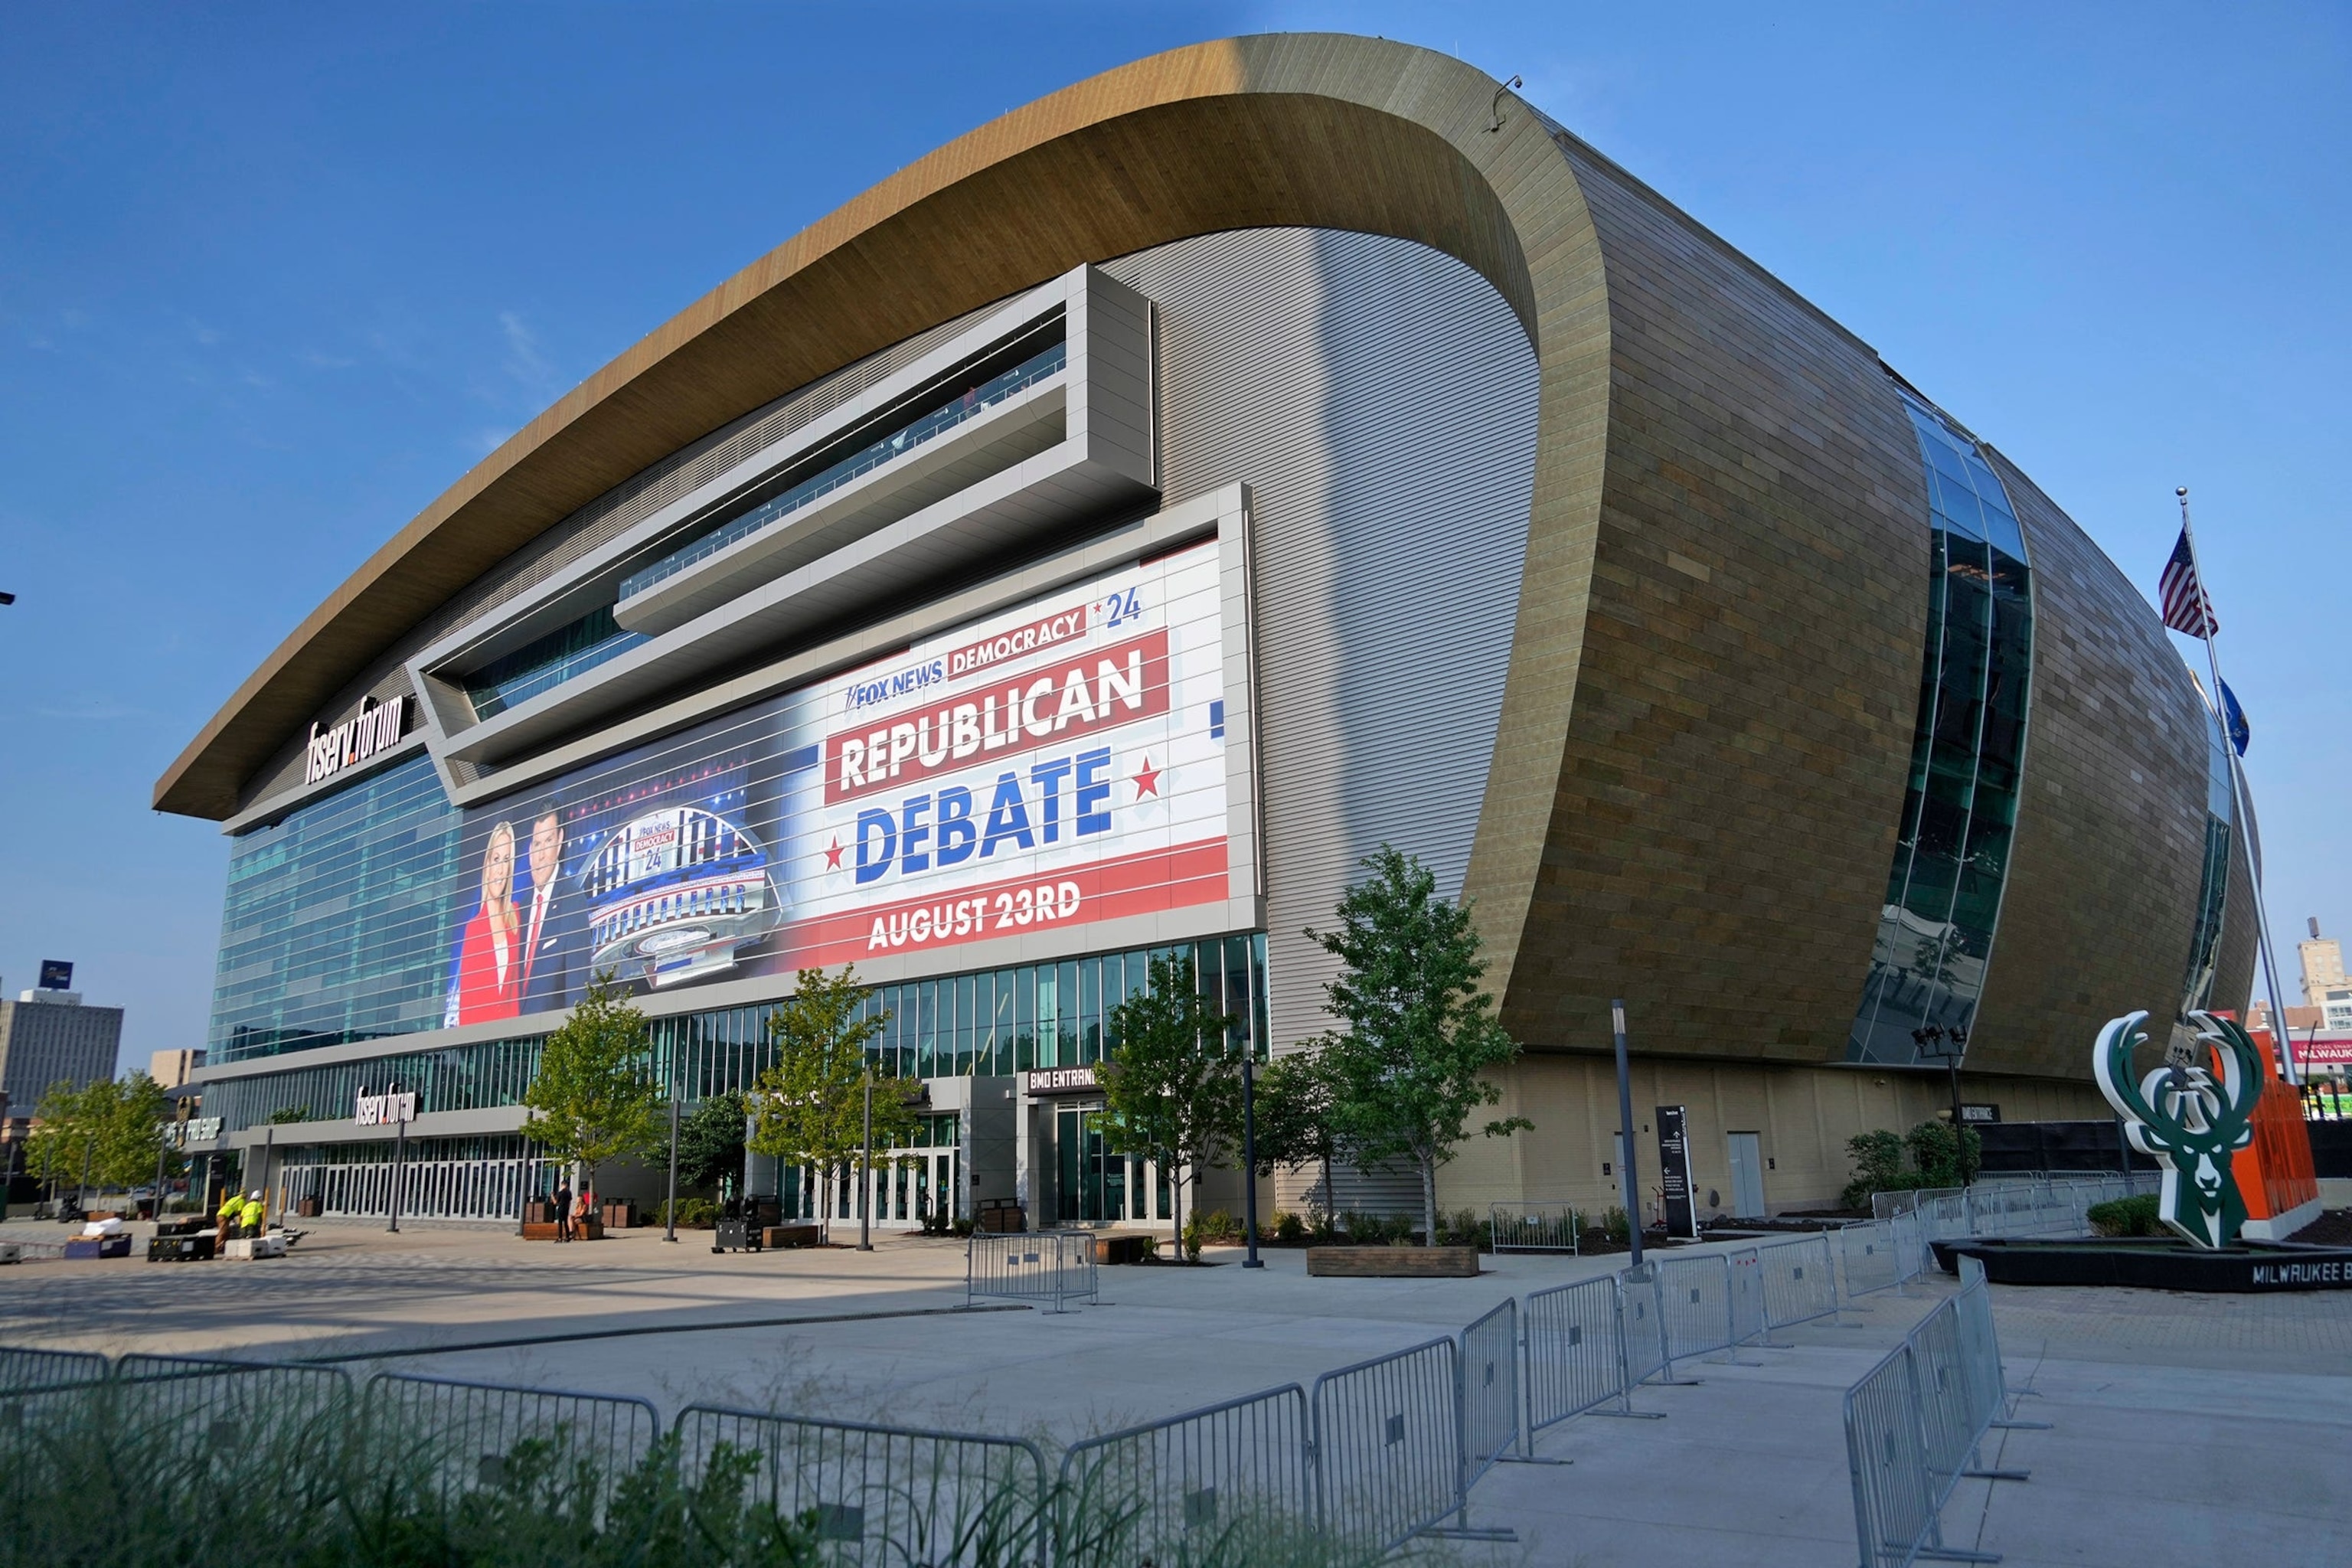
point(1943, 892)
point(335, 925)
point(2212, 892)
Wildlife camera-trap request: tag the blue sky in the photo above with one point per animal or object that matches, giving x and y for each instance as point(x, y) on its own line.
point(271, 278)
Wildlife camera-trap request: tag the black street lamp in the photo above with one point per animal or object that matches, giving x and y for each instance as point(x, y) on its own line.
point(399, 1150)
point(669, 1212)
point(1249, 1156)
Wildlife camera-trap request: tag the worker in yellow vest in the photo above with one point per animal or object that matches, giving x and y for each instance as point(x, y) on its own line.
point(250, 1220)
point(231, 1216)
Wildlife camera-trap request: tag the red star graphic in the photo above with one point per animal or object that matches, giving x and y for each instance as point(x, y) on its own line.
point(833, 857)
point(1148, 781)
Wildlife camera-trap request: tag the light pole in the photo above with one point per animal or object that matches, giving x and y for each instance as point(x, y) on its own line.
point(865, 1171)
point(1625, 1137)
point(399, 1150)
point(1249, 1157)
point(1932, 1041)
point(670, 1211)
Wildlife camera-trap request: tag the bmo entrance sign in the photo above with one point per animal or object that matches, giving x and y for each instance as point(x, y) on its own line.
point(398, 1108)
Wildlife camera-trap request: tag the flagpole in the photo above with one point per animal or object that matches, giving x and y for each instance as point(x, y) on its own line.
point(2238, 800)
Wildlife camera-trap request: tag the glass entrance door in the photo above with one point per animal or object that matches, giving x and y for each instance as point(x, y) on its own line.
point(1093, 1183)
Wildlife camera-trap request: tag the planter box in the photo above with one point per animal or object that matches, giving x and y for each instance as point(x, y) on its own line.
point(586, 1230)
point(1123, 1245)
point(799, 1233)
point(1394, 1262)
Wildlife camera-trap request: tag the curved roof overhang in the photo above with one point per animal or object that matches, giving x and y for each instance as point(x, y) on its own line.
point(1326, 130)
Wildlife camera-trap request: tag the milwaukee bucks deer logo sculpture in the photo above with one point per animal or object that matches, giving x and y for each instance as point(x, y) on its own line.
point(2188, 1121)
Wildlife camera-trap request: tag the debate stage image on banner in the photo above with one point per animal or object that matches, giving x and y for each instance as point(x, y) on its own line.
point(1061, 762)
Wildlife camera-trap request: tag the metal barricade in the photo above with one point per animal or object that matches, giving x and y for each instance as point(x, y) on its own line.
point(880, 1494)
point(1871, 1262)
point(1048, 1266)
point(1575, 1351)
point(1387, 1446)
point(1945, 1217)
point(1749, 1321)
point(231, 1407)
point(24, 1368)
point(1191, 1489)
point(1912, 1253)
point(1534, 1226)
point(1642, 1326)
point(489, 1437)
point(1895, 1508)
point(1489, 1357)
point(1914, 1424)
point(1695, 1303)
point(1800, 1280)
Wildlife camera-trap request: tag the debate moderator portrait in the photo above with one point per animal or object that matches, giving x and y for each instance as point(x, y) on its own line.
point(490, 952)
point(554, 925)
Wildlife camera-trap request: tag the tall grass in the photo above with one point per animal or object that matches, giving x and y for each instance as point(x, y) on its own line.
point(261, 1467)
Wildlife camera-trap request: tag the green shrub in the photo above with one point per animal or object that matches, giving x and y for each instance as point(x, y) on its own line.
point(1289, 1229)
point(693, 1214)
point(1463, 1228)
point(1214, 1228)
point(1932, 1152)
point(1886, 1161)
point(2127, 1216)
point(1615, 1227)
point(1877, 1158)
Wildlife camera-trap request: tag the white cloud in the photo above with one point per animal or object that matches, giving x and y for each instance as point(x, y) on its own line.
point(523, 361)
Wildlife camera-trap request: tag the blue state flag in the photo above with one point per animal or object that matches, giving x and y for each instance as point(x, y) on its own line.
point(2234, 718)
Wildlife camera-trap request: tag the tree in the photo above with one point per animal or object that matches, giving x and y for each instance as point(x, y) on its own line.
point(64, 1141)
point(809, 1108)
point(710, 1141)
point(1173, 1079)
point(131, 1142)
point(595, 1096)
point(1293, 1103)
point(1409, 1068)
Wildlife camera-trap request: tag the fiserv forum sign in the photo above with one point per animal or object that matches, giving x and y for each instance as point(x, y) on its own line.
point(373, 729)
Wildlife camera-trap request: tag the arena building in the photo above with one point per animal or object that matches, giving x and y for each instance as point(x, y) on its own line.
point(1096, 538)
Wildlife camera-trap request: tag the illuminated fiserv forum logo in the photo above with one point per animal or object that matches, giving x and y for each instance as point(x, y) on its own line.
point(1061, 762)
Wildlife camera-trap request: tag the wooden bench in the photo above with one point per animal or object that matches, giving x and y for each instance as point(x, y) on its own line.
point(544, 1230)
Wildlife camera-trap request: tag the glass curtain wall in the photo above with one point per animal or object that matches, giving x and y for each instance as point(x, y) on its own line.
point(993, 1022)
point(335, 924)
point(1951, 856)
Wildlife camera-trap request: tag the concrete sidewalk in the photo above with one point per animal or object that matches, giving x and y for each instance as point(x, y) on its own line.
point(2187, 1429)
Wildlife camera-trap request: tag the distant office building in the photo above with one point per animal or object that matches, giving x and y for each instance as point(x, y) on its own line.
point(48, 1037)
point(172, 1068)
point(2322, 967)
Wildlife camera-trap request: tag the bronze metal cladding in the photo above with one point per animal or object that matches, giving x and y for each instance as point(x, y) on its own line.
point(1694, 793)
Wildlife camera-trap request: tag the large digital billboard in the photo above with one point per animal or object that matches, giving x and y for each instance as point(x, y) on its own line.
point(1059, 762)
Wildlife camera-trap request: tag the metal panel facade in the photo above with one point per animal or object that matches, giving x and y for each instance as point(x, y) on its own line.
point(1379, 399)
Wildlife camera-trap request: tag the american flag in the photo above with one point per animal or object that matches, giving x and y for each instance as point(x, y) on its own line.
point(2185, 607)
